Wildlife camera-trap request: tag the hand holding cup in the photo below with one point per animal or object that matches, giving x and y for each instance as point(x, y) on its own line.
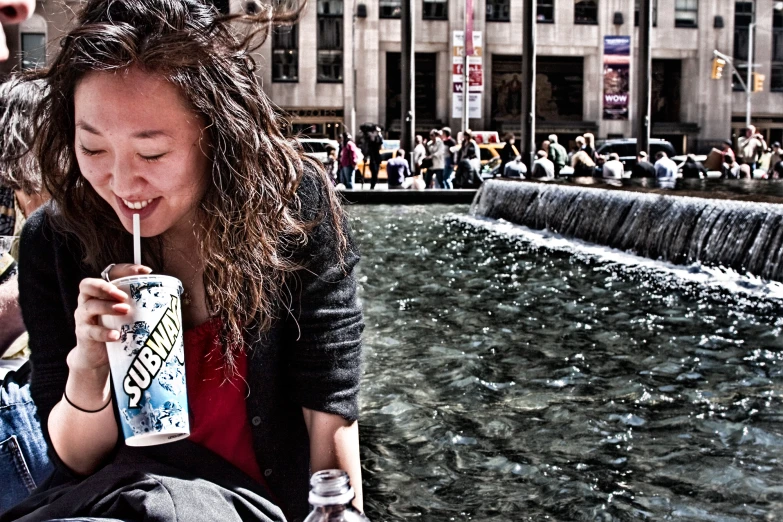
point(97, 298)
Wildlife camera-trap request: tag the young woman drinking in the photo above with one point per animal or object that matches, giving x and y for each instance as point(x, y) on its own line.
point(155, 109)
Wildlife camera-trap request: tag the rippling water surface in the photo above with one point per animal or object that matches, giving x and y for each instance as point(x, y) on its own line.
point(509, 381)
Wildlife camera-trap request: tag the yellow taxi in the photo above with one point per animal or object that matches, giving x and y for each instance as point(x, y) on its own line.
point(386, 155)
point(492, 150)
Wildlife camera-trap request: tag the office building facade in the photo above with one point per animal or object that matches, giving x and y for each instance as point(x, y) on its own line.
point(339, 66)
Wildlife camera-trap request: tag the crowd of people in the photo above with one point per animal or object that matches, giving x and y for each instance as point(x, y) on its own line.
point(443, 162)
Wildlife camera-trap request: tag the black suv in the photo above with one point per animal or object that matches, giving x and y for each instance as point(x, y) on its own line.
point(626, 149)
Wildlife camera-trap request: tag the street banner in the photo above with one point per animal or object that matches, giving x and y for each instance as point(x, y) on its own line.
point(475, 75)
point(617, 65)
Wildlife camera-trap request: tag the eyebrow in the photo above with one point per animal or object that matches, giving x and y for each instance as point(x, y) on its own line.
point(145, 134)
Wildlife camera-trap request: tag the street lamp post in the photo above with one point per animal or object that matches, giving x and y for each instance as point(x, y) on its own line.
point(749, 82)
point(644, 82)
point(353, 72)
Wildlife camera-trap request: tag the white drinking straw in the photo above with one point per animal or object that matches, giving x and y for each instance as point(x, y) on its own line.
point(136, 240)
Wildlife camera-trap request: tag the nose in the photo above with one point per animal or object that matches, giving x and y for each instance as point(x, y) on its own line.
point(126, 181)
point(16, 11)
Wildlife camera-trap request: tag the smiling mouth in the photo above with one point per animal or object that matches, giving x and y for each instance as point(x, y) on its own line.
point(137, 205)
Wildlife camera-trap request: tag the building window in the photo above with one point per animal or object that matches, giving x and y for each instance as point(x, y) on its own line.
point(390, 8)
point(285, 54)
point(585, 11)
point(545, 11)
point(498, 10)
point(776, 80)
point(654, 14)
point(330, 41)
point(33, 50)
point(743, 15)
point(435, 10)
point(686, 13)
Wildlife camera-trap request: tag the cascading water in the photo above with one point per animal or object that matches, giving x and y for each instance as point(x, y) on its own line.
point(746, 237)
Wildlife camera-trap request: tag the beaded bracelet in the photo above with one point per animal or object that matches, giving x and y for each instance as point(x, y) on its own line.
point(82, 409)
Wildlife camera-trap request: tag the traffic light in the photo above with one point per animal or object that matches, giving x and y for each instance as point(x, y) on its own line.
point(717, 68)
point(758, 82)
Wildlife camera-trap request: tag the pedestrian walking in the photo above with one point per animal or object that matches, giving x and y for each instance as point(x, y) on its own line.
point(557, 154)
point(468, 162)
point(448, 163)
point(349, 157)
point(437, 152)
point(419, 153)
point(508, 152)
point(374, 145)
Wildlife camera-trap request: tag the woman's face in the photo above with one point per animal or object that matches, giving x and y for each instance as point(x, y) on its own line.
point(142, 149)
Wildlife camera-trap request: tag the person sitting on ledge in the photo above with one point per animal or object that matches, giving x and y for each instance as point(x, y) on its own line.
point(397, 170)
point(613, 168)
point(543, 168)
point(515, 168)
point(583, 164)
point(643, 168)
point(21, 176)
point(665, 168)
point(155, 109)
point(693, 169)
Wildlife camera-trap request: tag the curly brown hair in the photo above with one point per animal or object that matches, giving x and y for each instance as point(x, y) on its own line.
point(251, 220)
point(18, 165)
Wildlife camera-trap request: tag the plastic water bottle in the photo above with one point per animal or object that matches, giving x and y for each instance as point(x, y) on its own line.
point(331, 495)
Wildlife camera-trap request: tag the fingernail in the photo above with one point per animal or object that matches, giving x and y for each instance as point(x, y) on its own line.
point(114, 335)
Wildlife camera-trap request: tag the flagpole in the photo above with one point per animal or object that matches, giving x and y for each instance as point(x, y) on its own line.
point(467, 49)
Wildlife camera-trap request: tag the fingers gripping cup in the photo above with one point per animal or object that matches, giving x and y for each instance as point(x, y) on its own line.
point(148, 361)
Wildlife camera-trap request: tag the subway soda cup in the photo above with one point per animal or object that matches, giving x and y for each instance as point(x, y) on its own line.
point(148, 361)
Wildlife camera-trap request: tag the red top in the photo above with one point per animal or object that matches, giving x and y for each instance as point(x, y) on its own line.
point(218, 416)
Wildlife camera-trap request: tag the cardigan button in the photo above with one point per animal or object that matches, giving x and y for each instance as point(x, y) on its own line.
point(256, 421)
point(267, 472)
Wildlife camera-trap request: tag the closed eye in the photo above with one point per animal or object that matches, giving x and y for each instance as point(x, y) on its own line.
point(88, 152)
point(152, 159)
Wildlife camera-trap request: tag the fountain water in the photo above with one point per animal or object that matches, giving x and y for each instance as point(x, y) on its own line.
point(744, 236)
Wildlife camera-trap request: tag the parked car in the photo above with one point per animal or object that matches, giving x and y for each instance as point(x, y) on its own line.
point(317, 148)
point(626, 149)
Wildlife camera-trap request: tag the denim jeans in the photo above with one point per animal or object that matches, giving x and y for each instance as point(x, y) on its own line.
point(448, 172)
point(346, 177)
point(438, 175)
point(24, 463)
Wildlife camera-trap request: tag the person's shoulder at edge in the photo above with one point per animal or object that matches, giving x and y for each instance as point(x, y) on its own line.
point(316, 208)
point(40, 229)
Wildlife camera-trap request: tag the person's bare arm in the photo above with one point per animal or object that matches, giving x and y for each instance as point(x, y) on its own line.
point(11, 324)
point(82, 440)
point(334, 444)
